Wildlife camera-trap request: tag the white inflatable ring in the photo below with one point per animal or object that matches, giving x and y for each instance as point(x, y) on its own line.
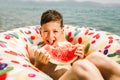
point(14, 61)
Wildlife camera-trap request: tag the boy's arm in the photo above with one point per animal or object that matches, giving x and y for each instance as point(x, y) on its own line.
point(31, 51)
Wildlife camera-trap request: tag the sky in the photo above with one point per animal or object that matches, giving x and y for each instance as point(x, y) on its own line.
point(103, 1)
point(100, 1)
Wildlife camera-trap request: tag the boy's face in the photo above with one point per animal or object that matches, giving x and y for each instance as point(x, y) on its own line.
point(51, 32)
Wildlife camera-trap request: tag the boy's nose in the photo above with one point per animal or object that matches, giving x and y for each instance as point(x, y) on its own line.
point(51, 37)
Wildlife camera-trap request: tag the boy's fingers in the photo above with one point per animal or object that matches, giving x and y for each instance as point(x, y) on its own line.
point(79, 51)
point(78, 54)
point(46, 60)
point(80, 48)
point(41, 56)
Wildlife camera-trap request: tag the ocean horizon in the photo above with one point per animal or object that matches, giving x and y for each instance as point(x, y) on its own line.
point(104, 17)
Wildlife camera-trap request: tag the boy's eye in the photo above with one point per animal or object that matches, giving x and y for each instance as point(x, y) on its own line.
point(45, 31)
point(55, 31)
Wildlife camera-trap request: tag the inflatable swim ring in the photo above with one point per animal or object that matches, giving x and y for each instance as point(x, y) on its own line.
point(14, 61)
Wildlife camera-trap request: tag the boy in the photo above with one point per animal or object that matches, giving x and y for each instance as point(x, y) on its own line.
point(52, 33)
point(95, 67)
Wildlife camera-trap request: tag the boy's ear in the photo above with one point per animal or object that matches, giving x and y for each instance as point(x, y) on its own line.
point(62, 31)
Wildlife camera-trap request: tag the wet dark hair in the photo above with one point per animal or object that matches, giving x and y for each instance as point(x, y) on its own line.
point(51, 15)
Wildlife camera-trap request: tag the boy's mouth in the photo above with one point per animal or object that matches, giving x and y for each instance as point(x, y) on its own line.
point(51, 42)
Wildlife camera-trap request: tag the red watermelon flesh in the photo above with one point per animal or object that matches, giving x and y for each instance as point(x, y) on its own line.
point(61, 54)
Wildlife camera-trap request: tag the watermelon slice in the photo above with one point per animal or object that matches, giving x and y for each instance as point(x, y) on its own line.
point(62, 54)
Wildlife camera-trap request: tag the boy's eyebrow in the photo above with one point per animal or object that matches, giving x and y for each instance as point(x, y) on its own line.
point(45, 30)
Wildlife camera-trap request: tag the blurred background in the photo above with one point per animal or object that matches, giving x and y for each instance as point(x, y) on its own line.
point(99, 14)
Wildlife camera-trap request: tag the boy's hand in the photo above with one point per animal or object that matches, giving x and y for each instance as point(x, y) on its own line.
point(41, 58)
point(80, 51)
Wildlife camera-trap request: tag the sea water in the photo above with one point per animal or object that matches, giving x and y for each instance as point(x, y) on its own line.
point(14, 14)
